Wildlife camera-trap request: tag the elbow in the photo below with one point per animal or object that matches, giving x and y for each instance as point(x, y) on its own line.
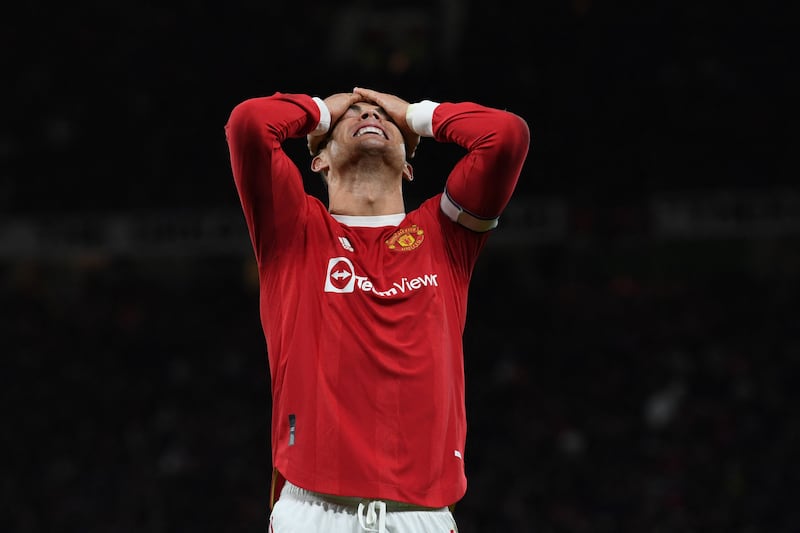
point(243, 115)
point(519, 130)
point(516, 135)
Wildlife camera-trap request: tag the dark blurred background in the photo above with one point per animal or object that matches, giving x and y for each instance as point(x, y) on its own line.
point(633, 341)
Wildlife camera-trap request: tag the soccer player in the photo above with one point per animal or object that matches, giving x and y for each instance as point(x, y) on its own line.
point(363, 304)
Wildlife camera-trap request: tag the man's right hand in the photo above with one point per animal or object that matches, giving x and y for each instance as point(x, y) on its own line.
point(396, 108)
point(337, 104)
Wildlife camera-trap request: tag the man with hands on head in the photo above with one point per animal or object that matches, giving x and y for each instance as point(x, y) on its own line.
point(363, 304)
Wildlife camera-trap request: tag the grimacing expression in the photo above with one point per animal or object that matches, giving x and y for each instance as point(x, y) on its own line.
point(363, 119)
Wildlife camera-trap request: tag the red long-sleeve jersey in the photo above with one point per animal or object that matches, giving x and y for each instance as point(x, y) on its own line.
point(364, 316)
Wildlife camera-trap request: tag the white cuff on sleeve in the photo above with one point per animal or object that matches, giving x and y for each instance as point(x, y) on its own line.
point(324, 117)
point(419, 117)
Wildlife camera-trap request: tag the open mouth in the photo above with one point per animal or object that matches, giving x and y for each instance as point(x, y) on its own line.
point(370, 130)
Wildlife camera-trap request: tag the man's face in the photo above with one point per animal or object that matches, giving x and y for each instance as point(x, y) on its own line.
point(365, 128)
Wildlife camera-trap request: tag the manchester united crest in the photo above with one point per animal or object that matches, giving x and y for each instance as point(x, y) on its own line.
point(406, 239)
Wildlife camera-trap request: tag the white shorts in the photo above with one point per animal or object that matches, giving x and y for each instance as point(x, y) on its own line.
point(302, 511)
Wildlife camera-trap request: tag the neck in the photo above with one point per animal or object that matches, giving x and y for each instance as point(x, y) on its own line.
point(365, 199)
point(365, 191)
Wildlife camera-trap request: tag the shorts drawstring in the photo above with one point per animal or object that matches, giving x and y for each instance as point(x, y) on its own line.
point(371, 515)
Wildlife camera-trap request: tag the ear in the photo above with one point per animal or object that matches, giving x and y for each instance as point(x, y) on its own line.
point(408, 171)
point(319, 164)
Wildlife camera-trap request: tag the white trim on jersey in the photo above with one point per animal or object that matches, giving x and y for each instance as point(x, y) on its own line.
point(324, 117)
point(419, 117)
point(370, 221)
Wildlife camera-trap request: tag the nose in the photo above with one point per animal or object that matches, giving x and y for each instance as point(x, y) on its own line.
point(367, 114)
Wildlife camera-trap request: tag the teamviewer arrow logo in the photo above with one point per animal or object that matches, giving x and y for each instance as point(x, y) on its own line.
point(340, 277)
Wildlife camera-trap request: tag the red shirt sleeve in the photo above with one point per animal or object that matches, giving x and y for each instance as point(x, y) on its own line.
point(269, 184)
point(497, 143)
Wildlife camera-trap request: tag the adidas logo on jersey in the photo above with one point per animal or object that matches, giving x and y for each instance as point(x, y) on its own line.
point(346, 244)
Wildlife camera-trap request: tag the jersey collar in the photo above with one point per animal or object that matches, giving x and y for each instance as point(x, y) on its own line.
point(377, 221)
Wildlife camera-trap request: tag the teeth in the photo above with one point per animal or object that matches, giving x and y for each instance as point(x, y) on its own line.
point(369, 129)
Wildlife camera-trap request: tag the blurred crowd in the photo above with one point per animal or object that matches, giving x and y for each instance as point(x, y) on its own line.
point(620, 389)
point(122, 106)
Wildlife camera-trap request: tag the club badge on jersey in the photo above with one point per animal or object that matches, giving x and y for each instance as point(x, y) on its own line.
point(406, 239)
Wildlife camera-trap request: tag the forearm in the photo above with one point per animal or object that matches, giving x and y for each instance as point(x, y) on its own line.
point(497, 143)
point(265, 177)
point(266, 121)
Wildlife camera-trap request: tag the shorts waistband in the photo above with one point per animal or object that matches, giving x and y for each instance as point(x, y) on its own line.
point(298, 493)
